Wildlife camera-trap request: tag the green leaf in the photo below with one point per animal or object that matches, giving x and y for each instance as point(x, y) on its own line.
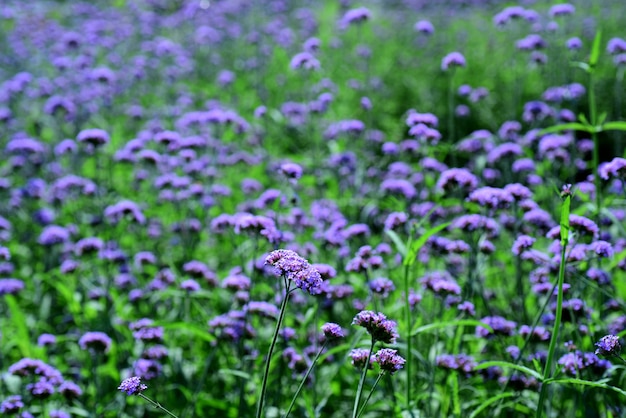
point(586, 383)
point(189, 328)
point(616, 126)
point(565, 210)
point(490, 401)
point(506, 364)
point(236, 373)
point(595, 49)
point(574, 126)
point(19, 320)
point(582, 65)
point(419, 243)
point(459, 322)
point(396, 240)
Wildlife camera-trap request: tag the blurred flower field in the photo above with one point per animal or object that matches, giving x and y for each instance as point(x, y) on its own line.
point(333, 208)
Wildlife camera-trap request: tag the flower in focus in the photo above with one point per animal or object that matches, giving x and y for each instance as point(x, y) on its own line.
point(295, 268)
point(389, 360)
point(377, 325)
point(608, 346)
point(132, 386)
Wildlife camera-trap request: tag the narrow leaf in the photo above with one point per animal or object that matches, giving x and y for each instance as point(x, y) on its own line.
point(419, 243)
point(617, 126)
point(460, 322)
point(396, 240)
point(19, 320)
point(490, 401)
point(506, 364)
point(595, 49)
point(574, 126)
point(586, 383)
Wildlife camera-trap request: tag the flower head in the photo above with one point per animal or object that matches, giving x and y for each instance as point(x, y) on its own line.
point(377, 325)
point(388, 360)
point(295, 268)
point(332, 331)
point(132, 386)
point(608, 346)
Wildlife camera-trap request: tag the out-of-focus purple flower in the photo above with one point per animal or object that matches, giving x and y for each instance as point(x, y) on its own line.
point(132, 386)
point(382, 286)
point(264, 309)
point(602, 248)
point(93, 137)
point(461, 362)
point(355, 16)
point(398, 187)
point(508, 14)
point(583, 225)
point(574, 43)
point(457, 177)
point(377, 325)
point(452, 60)
point(332, 331)
point(292, 171)
point(124, 208)
point(608, 345)
point(45, 340)
point(500, 326)
point(10, 286)
point(616, 46)
point(614, 169)
point(388, 360)
point(359, 358)
point(441, 283)
point(147, 369)
point(11, 405)
point(395, 220)
point(424, 27)
point(289, 264)
point(522, 243)
point(563, 9)
point(467, 307)
point(41, 389)
point(97, 341)
point(305, 61)
point(53, 234)
point(491, 197)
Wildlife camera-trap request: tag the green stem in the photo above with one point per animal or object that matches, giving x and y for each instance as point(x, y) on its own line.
point(547, 372)
point(268, 361)
point(157, 405)
point(359, 390)
point(370, 395)
point(308, 372)
point(593, 114)
point(407, 307)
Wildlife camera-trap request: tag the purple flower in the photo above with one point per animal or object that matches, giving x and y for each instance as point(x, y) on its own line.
point(574, 43)
point(291, 170)
point(355, 16)
point(359, 358)
point(522, 243)
point(453, 59)
point(53, 234)
point(491, 197)
point(190, 286)
point(98, 341)
point(10, 286)
point(500, 326)
point(289, 264)
point(457, 177)
point(332, 331)
point(377, 325)
point(441, 283)
point(264, 309)
point(616, 168)
point(11, 405)
point(608, 346)
point(425, 27)
point(41, 389)
point(304, 60)
point(388, 360)
point(70, 390)
point(94, 137)
point(395, 220)
point(398, 187)
point(563, 9)
point(147, 368)
point(382, 286)
point(45, 340)
point(583, 226)
point(132, 386)
point(616, 46)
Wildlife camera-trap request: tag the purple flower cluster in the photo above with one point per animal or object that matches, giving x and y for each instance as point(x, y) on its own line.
point(289, 264)
point(377, 325)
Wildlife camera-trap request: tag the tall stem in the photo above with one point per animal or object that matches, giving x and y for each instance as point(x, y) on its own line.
point(380, 375)
point(407, 308)
point(359, 390)
point(268, 360)
point(547, 371)
point(593, 115)
point(308, 372)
